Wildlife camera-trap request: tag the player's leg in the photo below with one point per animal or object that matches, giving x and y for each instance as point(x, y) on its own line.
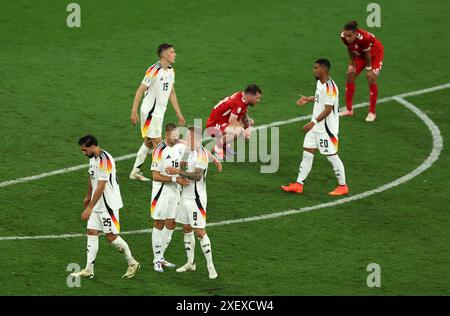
point(350, 86)
point(167, 231)
point(309, 148)
point(189, 246)
point(122, 246)
point(205, 243)
point(157, 244)
point(188, 236)
point(328, 146)
point(231, 133)
point(91, 254)
point(377, 62)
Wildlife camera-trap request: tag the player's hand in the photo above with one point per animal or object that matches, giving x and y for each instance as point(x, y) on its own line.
point(351, 70)
point(308, 127)
point(181, 120)
point(86, 214)
point(183, 164)
point(182, 181)
point(247, 132)
point(134, 118)
point(251, 121)
point(86, 202)
point(302, 101)
point(172, 170)
point(371, 75)
point(218, 166)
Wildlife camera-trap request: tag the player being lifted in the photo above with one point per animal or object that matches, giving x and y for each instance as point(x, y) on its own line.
point(157, 87)
point(322, 131)
point(192, 213)
point(102, 204)
point(229, 118)
point(165, 193)
point(365, 52)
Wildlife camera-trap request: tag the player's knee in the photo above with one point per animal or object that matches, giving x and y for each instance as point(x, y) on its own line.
point(200, 233)
point(91, 232)
point(158, 224)
point(187, 229)
point(171, 224)
point(310, 150)
point(111, 237)
point(148, 142)
point(350, 78)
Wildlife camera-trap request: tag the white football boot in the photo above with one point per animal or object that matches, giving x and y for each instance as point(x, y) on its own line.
point(131, 271)
point(168, 264)
point(371, 117)
point(158, 267)
point(212, 272)
point(187, 267)
point(83, 274)
point(138, 175)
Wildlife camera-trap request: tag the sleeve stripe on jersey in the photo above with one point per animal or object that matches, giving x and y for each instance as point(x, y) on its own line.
point(157, 153)
point(105, 162)
point(153, 70)
point(331, 89)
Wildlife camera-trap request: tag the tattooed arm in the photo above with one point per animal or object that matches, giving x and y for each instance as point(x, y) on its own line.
point(194, 176)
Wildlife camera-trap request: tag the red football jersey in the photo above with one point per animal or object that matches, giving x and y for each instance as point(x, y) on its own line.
point(364, 42)
point(220, 114)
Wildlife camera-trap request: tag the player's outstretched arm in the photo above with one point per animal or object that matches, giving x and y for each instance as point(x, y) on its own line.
point(137, 99)
point(215, 161)
point(303, 100)
point(174, 101)
point(101, 184)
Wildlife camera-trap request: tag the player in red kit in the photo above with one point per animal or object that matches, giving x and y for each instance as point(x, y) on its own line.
point(229, 118)
point(366, 52)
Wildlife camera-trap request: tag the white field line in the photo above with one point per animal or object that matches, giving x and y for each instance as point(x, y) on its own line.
point(431, 159)
point(279, 123)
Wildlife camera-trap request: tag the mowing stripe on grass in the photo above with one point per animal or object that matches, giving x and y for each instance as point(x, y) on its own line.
point(431, 159)
point(279, 123)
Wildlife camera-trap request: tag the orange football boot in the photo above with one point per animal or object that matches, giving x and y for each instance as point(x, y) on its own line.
point(293, 187)
point(340, 190)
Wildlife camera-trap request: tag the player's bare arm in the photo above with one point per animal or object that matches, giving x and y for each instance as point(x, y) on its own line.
point(137, 99)
point(322, 116)
point(233, 120)
point(303, 100)
point(157, 176)
point(87, 199)
point(101, 184)
point(194, 176)
point(351, 63)
point(216, 161)
point(371, 76)
point(174, 101)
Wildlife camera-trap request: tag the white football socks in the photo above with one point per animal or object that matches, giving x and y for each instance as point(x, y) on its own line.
point(92, 249)
point(189, 245)
point(206, 248)
point(122, 246)
point(305, 166)
point(166, 238)
point(157, 244)
point(142, 154)
point(338, 167)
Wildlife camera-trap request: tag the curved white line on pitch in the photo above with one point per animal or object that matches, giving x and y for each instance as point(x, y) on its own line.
point(431, 159)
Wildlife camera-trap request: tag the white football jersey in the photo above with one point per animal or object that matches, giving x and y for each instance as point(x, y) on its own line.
point(103, 168)
point(326, 94)
point(159, 83)
point(166, 156)
point(197, 158)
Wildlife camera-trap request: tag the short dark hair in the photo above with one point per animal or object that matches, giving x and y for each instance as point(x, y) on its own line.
point(88, 140)
point(162, 48)
point(197, 131)
point(252, 89)
point(324, 62)
point(351, 26)
point(170, 127)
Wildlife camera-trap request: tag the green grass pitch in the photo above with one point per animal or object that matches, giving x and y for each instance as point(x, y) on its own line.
point(59, 83)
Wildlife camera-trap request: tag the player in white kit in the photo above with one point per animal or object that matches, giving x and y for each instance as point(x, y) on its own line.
point(322, 131)
point(157, 88)
point(192, 213)
point(102, 204)
point(165, 193)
